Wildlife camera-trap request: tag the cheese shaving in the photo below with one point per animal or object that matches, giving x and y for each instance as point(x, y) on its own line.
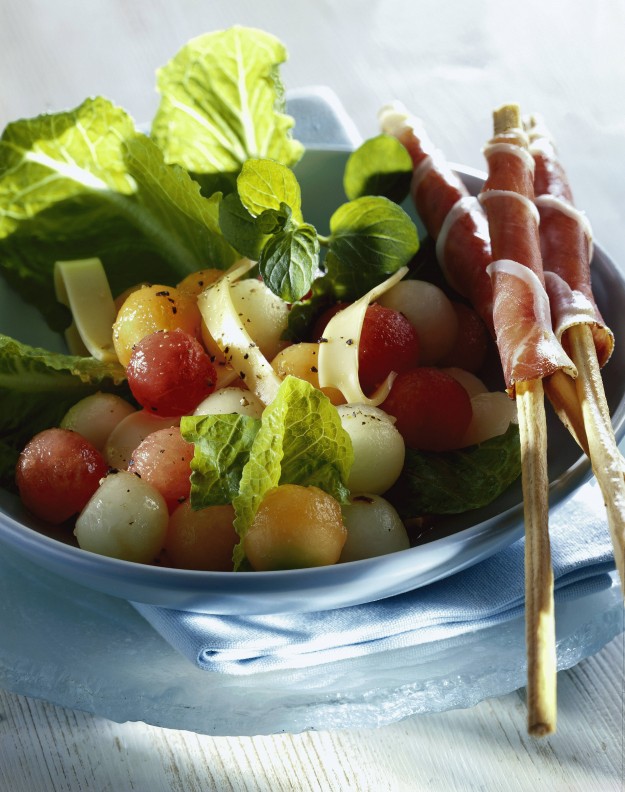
point(338, 351)
point(83, 287)
point(225, 326)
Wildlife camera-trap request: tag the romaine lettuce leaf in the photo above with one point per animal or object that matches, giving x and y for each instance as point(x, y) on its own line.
point(37, 387)
point(222, 448)
point(85, 183)
point(222, 103)
point(457, 481)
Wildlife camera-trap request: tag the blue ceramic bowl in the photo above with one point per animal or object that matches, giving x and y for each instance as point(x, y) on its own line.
point(457, 543)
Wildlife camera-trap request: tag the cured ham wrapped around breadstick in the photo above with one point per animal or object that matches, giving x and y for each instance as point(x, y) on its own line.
point(452, 217)
point(458, 224)
point(566, 244)
point(528, 347)
point(529, 351)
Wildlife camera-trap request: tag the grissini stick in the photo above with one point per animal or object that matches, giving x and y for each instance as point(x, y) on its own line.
point(566, 248)
point(457, 223)
point(529, 351)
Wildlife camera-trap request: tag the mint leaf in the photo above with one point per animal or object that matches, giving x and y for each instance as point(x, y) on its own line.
point(288, 262)
point(380, 166)
point(222, 102)
point(84, 183)
point(371, 238)
point(263, 184)
point(241, 230)
point(37, 388)
point(301, 441)
point(222, 448)
point(273, 220)
point(457, 481)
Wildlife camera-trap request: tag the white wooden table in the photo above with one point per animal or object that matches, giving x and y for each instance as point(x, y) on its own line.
point(452, 63)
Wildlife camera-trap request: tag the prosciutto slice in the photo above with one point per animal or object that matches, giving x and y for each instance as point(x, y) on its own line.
point(528, 347)
point(452, 217)
point(566, 245)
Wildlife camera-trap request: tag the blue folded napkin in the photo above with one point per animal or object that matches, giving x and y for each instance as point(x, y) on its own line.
point(488, 593)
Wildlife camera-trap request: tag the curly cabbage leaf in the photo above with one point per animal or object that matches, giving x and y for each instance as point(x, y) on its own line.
point(222, 103)
point(85, 183)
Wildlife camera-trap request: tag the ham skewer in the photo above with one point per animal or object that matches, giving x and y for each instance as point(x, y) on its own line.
point(566, 245)
point(530, 351)
point(461, 231)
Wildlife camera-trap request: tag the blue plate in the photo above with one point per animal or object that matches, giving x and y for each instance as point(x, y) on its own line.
point(457, 543)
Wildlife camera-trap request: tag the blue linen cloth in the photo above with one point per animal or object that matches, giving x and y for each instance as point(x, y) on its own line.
point(488, 593)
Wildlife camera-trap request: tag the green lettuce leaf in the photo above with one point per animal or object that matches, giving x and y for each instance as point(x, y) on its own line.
point(85, 183)
point(223, 103)
point(457, 481)
point(222, 448)
point(37, 388)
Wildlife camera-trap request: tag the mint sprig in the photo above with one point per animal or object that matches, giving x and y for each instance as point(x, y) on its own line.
point(370, 237)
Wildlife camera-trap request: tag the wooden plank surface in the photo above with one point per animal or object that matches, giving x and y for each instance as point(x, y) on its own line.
point(44, 748)
point(451, 66)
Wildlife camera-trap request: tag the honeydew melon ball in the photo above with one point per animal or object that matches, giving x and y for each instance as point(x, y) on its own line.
point(492, 415)
point(473, 385)
point(129, 433)
point(379, 449)
point(95, 417)
point(373, 528)
point(126, 518)
point(231, 400)
point(430, 312)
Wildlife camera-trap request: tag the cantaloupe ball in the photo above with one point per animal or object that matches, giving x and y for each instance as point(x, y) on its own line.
point(201, 539)
point(295, 527)
point(122, 296)
point(196, 282)
point(153, 308)
point(302, 361)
